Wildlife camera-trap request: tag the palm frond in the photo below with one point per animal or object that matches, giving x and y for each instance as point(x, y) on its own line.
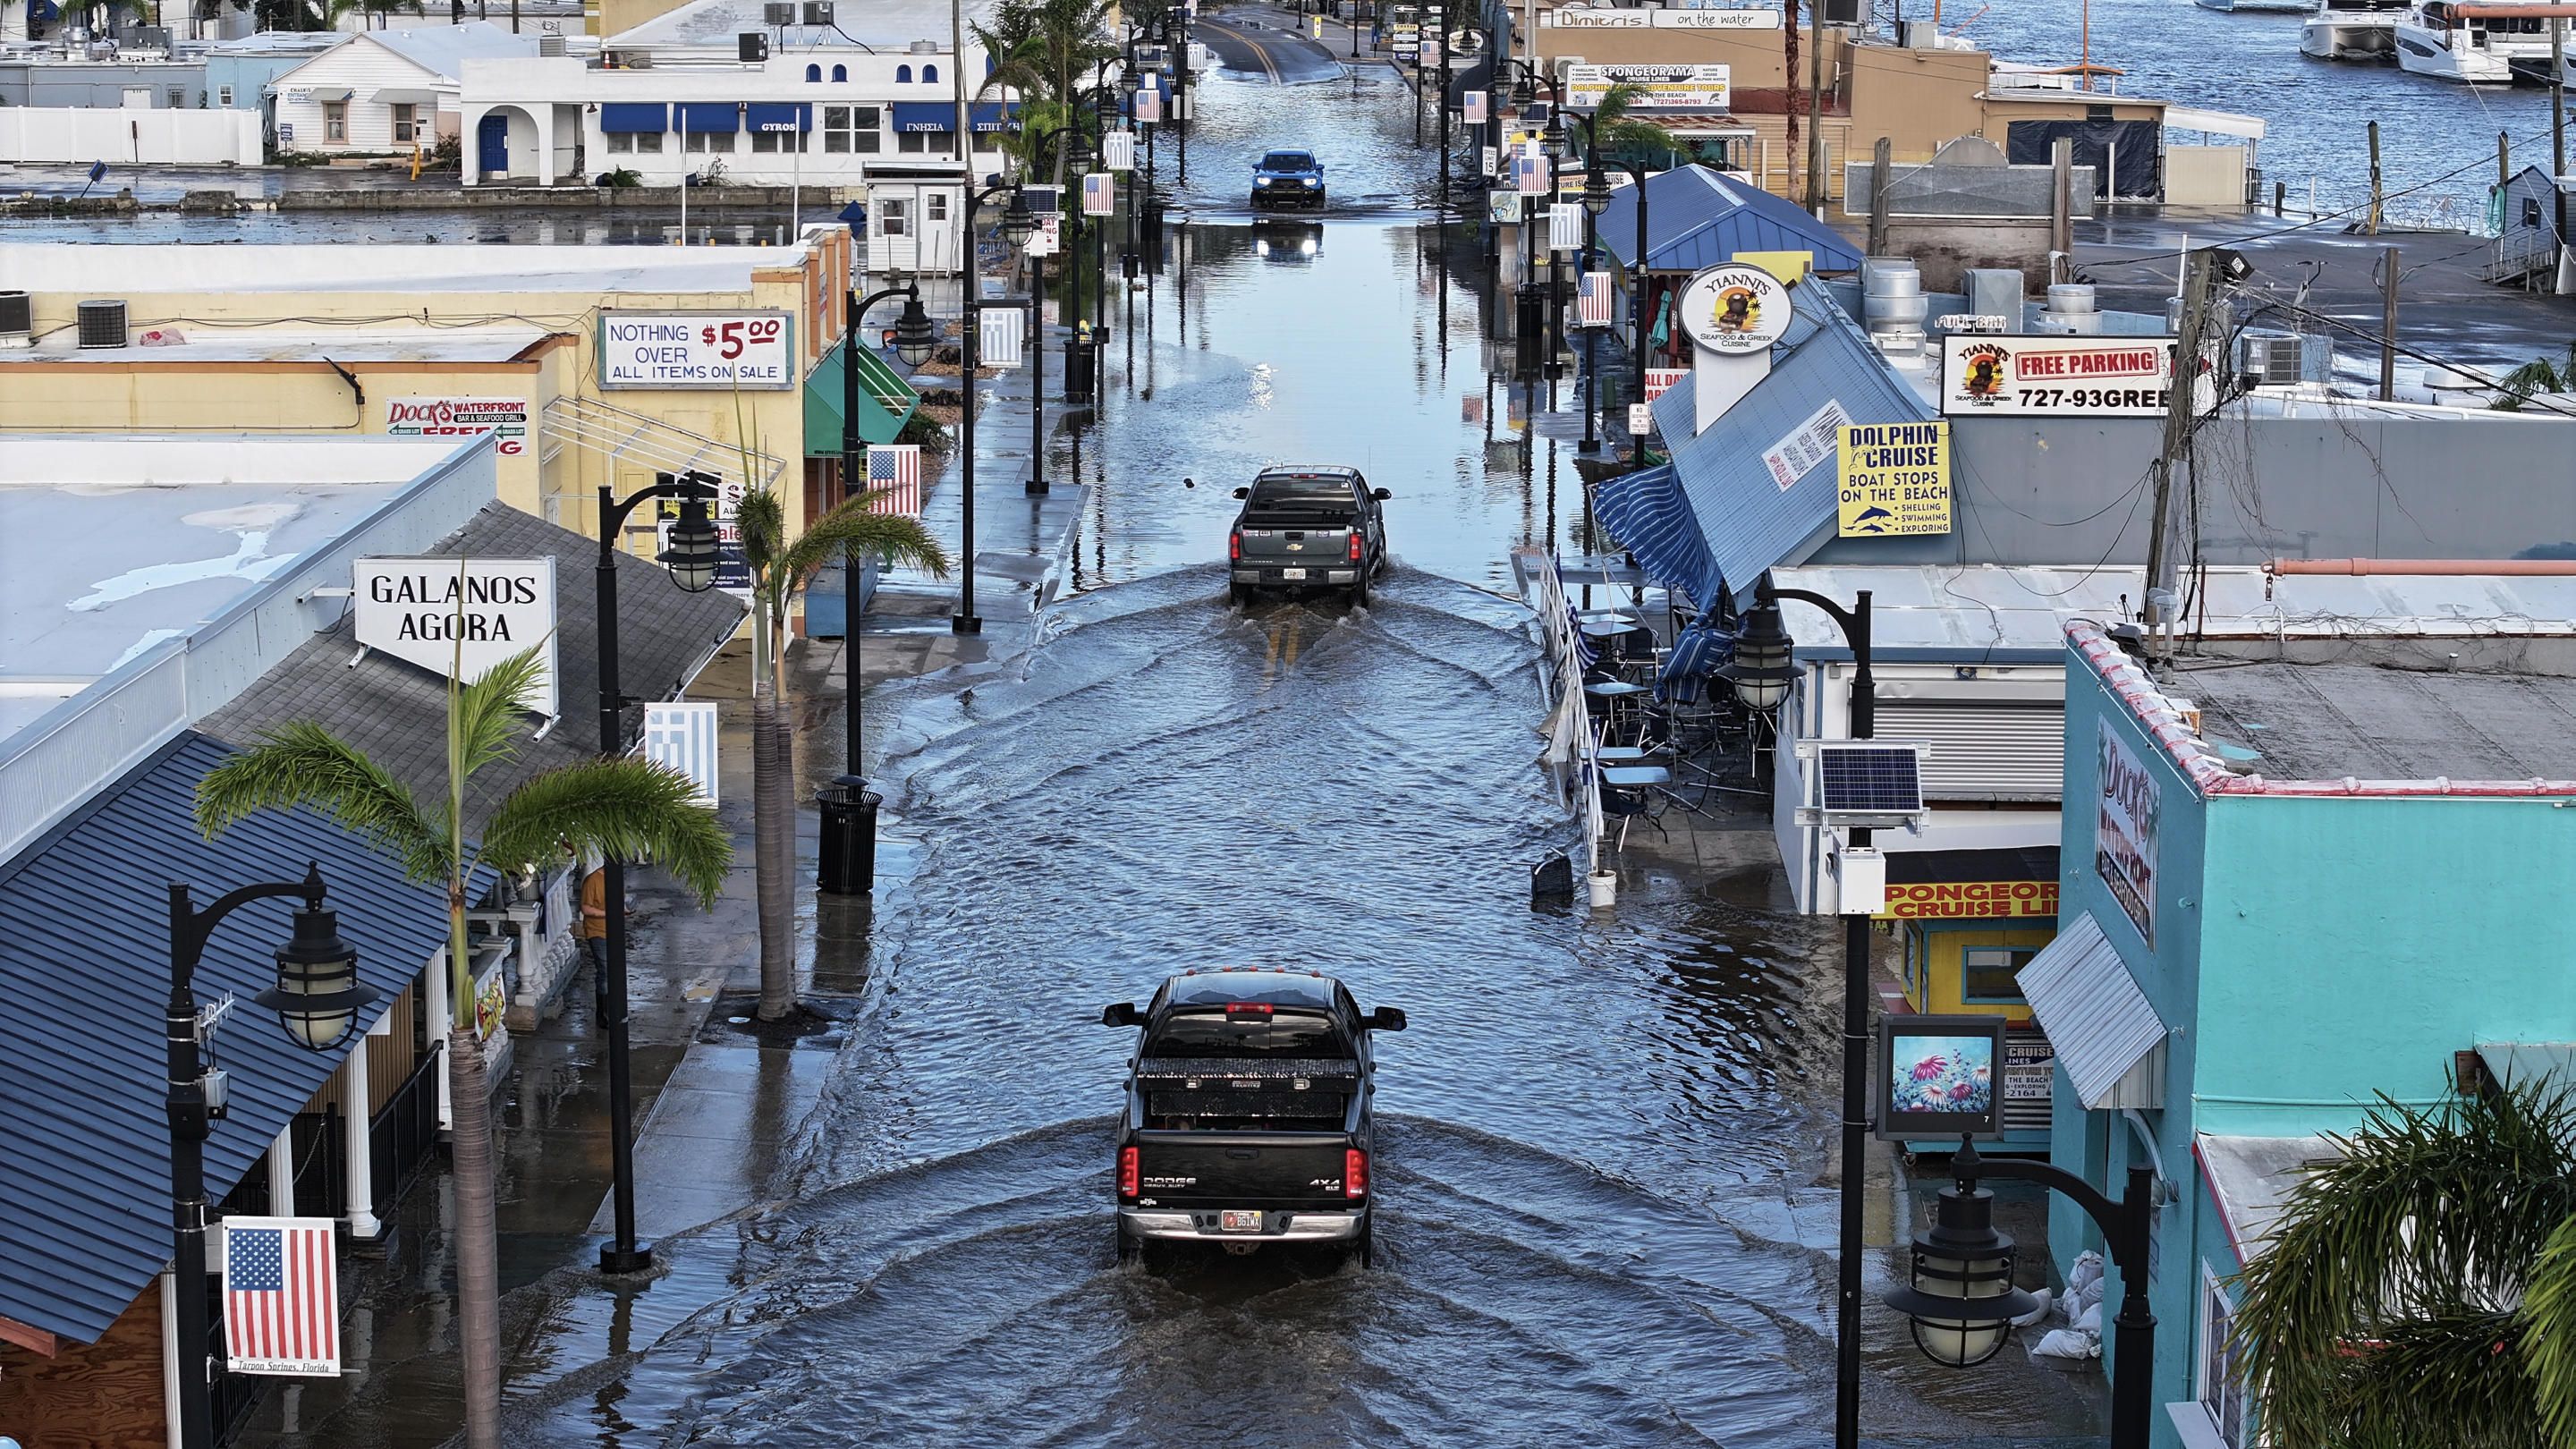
point(2424, 1232)
point(631, 809)
point(886, 537)
point(762, 518)
point(488, 710)
point(2516, 387)
point(303, 764)
point(2549, 1335)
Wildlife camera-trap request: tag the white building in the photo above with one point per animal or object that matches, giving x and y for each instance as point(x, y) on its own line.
point(833, 106)
point(386, 90)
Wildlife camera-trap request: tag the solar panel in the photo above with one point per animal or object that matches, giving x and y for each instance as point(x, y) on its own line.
point(1869, 779)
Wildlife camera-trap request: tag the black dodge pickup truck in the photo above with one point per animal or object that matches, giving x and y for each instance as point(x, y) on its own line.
point(1247, 1116)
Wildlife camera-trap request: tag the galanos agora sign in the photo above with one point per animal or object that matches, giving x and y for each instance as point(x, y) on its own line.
point(458, 615)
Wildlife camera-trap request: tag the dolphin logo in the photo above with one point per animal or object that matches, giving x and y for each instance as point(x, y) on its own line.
point(1866, 514)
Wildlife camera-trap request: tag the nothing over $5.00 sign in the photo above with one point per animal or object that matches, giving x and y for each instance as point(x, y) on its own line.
point(666, 351)
point(460, 615)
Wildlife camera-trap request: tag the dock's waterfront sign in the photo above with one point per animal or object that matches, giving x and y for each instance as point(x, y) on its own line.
point(2124, 833)
point(461, 417)
point(683, 350)
point(2089, 377)
point(464, 615)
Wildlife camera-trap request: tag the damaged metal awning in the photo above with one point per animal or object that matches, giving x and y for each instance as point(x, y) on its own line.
point(649, 443)
point(2109, 1040)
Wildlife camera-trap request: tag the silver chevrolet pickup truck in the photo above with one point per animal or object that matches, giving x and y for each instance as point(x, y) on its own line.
point(1306, 528)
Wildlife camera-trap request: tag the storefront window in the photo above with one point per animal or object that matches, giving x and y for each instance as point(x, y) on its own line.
point(2222, 1379)
point(335, 120)
point(403, 124)
point(1990, 973)
point(851, 129)
point(702, 141)
point(778, 143)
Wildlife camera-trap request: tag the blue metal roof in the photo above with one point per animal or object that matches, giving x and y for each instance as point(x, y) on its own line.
point(84, 975)
point(1750, 521)
point(1647, 512)
point(1702, 218)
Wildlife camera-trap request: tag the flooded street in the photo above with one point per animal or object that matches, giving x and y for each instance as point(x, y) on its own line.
point(1600, 1142)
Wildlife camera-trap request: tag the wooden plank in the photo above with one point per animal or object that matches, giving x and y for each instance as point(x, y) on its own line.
point(29, 1337)
point(105, 1395)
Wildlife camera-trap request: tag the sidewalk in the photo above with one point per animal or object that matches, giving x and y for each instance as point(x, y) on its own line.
point(717, 1097)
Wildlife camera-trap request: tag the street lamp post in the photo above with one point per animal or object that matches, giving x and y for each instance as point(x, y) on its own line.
point(694, 552)
point(965, 620)
point(1643, 300)
point(1761, 674)
point(1960, 1294)
point(317, 998)
point(1554, 143)
point(1017, 225)
point(1596, 200)
point(913, 342)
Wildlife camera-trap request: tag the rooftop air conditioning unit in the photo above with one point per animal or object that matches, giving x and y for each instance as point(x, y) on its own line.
point(2270, 359)
point(778, 12)
point(924, 47)
point(550, 45)
point(751, 47)
point(101, 324)
point(17, 320)
point(818, 12)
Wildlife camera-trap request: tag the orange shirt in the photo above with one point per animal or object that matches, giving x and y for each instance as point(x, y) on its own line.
point(594, 905)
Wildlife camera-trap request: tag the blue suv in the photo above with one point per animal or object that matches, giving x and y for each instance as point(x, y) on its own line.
point(1288, 179)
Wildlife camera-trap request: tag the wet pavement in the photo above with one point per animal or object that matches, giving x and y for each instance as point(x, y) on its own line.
point(1605, 1142)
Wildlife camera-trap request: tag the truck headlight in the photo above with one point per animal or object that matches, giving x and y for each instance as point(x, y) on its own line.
point(1260, 180)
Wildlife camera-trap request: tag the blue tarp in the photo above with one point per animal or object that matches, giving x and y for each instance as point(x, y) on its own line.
point(1700, 651)
point(710, 116)
point(1702, 218)
point(1749, 519)
point(630, 116)
point(779, 116)
point(1648, 514)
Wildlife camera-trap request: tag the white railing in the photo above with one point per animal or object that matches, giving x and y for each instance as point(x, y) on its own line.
point(1570, 743)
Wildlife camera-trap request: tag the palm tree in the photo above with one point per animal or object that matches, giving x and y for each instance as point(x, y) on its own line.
point(1043, 49)
point(1617, 131)
point(780, 570)
point(2389, 1307)
point(2536, 376)
point(628, 808)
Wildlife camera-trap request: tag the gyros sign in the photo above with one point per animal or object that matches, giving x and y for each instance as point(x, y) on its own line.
point(459, 616)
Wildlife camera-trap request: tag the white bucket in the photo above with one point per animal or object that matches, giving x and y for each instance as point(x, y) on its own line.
point(1604, 886)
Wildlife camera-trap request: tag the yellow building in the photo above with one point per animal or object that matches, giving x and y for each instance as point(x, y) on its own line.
point(612, 363)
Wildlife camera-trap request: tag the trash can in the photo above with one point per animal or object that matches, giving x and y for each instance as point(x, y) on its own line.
point(848, 861)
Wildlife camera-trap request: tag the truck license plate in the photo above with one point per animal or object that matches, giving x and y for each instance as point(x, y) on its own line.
point(1292, 573)
point(1240, 1220)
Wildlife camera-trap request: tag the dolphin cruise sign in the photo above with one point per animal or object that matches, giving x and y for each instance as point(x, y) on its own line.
point(1895, 479)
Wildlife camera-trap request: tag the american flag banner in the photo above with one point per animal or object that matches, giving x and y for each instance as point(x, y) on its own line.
point(1564, 227)
point(1593, 302)
point(1099, 193)
point(895, 466)
point(1475, 101)
point(1149, 104)
point(1529, 175)
point(998, 338)
point(281, 1297)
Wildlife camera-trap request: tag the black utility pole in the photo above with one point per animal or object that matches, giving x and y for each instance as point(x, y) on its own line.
point(1641, 296)
point(622, 1254)
point(1439, 18)
point(912, 342)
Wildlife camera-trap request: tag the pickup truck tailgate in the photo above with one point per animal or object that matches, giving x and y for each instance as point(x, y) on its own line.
point(1299, 545)
point(1242, 1169)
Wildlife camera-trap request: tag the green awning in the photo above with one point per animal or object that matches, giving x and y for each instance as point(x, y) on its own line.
point(885, 402)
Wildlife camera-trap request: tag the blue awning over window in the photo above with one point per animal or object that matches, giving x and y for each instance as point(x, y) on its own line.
point(777, 116)
point(717, 116)
point(634, 116)
point(988, 115)
point(925, 116)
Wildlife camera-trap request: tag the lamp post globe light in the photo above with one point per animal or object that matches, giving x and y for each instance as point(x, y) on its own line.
point(1960, 1294)
point(694, 550)
point(1596, 200)
point(1017, 223)
point(1760, 670)
point(317, 997)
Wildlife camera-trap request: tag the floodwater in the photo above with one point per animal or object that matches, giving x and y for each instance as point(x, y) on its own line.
point(1602, 1137)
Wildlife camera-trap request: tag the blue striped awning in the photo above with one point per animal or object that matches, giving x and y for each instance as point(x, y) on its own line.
point(633, 116)
point(1648, 514)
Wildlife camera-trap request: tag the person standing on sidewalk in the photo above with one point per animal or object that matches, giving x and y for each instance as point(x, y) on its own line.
point(594, 933)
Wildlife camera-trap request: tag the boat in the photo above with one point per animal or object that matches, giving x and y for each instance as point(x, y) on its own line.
point(2351, 30)
point(2274, 6)
point(2473, 43)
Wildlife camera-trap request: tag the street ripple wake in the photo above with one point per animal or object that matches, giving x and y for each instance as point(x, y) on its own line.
point(1591, 1139)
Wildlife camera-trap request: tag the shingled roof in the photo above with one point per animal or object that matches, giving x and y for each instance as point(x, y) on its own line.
point(397, 712)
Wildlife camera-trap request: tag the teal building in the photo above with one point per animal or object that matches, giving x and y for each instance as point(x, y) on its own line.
point(2283, 889)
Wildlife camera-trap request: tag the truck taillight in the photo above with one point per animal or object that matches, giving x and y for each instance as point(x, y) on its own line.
point(1234, 547)
point(1354, 1173)
point(1127, 1171)
point(1355, 545)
